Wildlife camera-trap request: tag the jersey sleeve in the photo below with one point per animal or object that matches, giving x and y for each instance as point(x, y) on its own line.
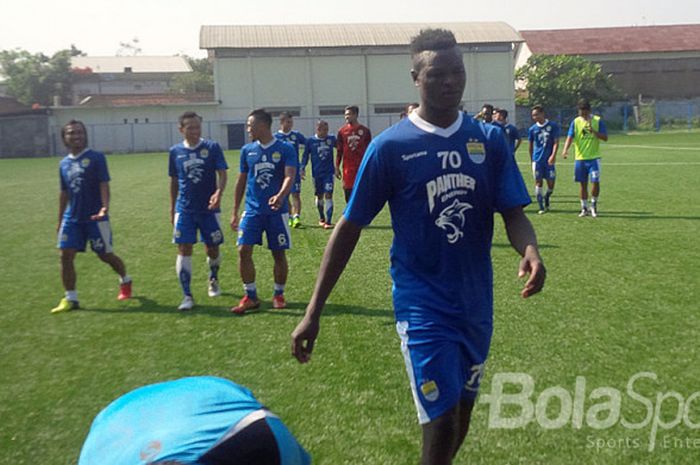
point(102, 170)
point(172, 169)
point(302, 138)
point(511, 191)
point(531, 135)
point(244, 161)
point(572, 129)
point(371, 190)
point(601, 127)
point(62, 182)
point(556, 131)
point(219, 159)
point(291, 159)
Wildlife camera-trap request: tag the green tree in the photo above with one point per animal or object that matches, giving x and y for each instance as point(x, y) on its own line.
point(559, 81)
point(36, 78)
point(201, 79)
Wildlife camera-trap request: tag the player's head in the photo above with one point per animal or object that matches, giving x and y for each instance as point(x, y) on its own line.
point(74, 136)
point(190, 126)
point(286, 121)
point(321, 128)
point(438, 69)
point(500, 115)
point(486, 112)
point(537, 114)
point(584, 107)
point(351, 114)
point(259, 124)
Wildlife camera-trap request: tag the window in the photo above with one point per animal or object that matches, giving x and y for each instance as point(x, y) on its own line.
point(126, 121)
point(127, 69)
point(275, 111)
point(146, 120)
point(331, 110)
point(389, 108)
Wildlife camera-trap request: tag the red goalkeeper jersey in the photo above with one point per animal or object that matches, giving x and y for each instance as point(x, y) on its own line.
point(351, 145)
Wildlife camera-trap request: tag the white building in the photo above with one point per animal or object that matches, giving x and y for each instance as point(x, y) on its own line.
point(313, 70)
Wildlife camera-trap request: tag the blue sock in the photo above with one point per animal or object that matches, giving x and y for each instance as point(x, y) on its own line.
point(251, 290)
point(319, 205)
point(214, 264)
point(183, 266)
point(279, 289)
point(540, 200)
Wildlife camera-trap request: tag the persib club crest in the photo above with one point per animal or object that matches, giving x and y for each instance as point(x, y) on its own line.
point(476, 151)
point(85, 162)
point(276, 157)
point(204, 153)
point(452, 220)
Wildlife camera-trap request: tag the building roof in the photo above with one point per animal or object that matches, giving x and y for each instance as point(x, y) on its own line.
point(610, 40)
point(143, 100)
point(347, 35)
point(138, 64)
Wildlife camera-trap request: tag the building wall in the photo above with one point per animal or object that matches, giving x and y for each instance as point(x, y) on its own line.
point(24, 136)
point(318, 83)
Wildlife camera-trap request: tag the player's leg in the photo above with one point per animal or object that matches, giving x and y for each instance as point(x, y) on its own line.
point(184, 235)
point(551, 179)
point(318, 196)
point(296, 209)
point(595, 185)
point(278, 240)
point(581, 177)
point(348, 193)
point(249, 234)
point(328, 208)
point(100, 237)
point(538, 175)
point(213, 237)
point(72, 238)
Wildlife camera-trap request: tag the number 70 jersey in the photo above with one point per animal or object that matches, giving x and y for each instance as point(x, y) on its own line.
point(443, 186)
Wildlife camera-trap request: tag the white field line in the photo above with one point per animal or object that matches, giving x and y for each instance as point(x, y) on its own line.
point(651, 147)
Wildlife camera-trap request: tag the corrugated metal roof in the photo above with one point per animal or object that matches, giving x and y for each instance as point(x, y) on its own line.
point(145, 100)
point(138, 64)
point(347, 35)
point(608, 40)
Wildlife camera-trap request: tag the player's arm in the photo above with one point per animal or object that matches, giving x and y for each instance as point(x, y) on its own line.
point(602, 133)
point(62, 205)
point(338, 156)
point(338, 251)
point(523, 239)
point(518, 141)
point(215, 199)
point(173, 197)
point(304, 161)
point(567, 144)
point(104, 198)
point(555, 148)
point(531, 149)
point(238, 193)
point(278, 199)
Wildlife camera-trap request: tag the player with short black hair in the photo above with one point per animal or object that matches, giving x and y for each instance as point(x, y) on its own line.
point(287, 134)
point(83, 213)
point(585, 132)
point(197, 169)
point(201, 420)
point(444, 176)
point(500, 117)
point(543, 136)
point(351, 142)
point(319, 150)
point(268, 167)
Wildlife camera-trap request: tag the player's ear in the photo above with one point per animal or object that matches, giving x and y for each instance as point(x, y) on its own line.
point(414, 76)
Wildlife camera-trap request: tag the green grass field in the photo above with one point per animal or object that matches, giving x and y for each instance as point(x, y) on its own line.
point(621, 298)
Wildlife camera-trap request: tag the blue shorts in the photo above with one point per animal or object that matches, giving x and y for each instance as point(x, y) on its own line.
point(74, 235)
point(443, 366)
point(543, 170)
point(323, 184)
point(296, 186)
point(186, 226)
point(276, 228)
point(585, 168)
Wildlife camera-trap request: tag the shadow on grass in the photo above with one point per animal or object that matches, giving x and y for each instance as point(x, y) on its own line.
point(146, 305)
point(632, 215)
point(505, 245)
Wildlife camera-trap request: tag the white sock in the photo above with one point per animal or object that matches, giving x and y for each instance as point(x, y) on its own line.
point(594, 200)
point(183, 267)
point(125, 279)
point(584, 203)
point(72, 296)
point(538, 190)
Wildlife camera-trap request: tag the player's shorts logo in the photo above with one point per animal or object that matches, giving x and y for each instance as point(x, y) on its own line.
point(276, 157)
point(430, 391)
point(476, 151)
point(452, 220)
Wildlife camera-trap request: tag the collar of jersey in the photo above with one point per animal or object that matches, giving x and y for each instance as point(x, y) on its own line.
point(285, 133)
point(437, 130)
point(268, 145)
point(75, 157)
point(543, 124)
point(187, 145)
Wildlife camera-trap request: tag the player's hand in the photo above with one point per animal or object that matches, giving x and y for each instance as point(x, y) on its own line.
point(303, 174)
point(234, 222)
point(275, 202)
point(532, 264)
point(551, 160)
point(565, 154)
point(100, 215)
point(303, 338)
point(338, 174)
point(215, 200)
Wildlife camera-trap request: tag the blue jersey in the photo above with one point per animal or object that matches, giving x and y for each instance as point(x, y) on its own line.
point(511, 133)
point(320, 151)
point(264, 165)
point(543, 136)
point(80, 177)
point(174, 421)
point(292, 137)
point(443, 186)
point(195, 169)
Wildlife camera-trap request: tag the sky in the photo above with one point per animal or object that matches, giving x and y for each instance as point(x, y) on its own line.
point(97, 27)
